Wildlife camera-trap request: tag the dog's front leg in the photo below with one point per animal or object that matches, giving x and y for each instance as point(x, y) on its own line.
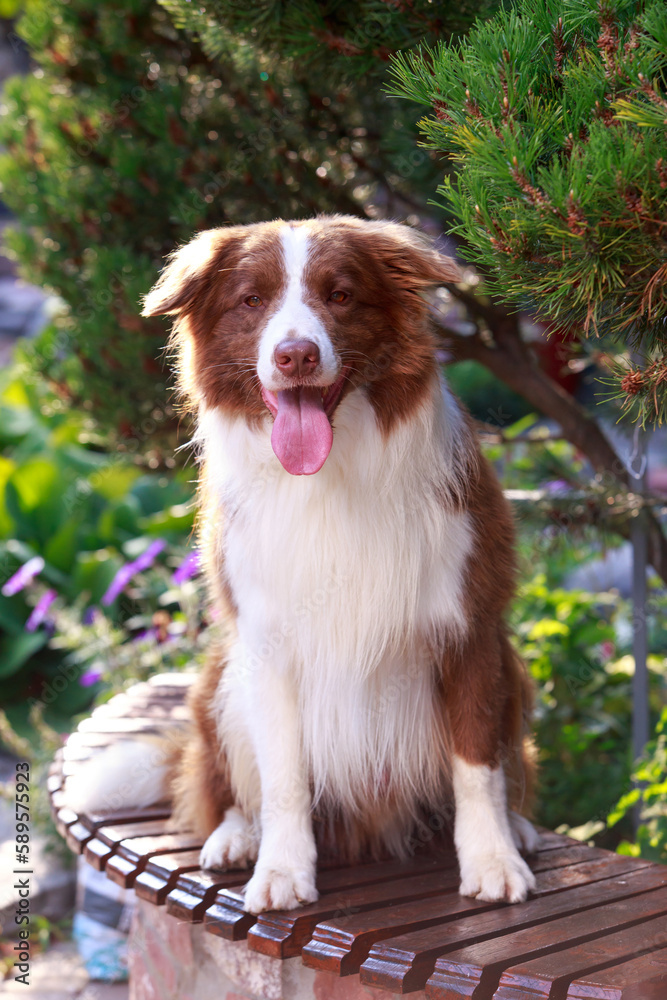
point(284, 875)
point(491, 866)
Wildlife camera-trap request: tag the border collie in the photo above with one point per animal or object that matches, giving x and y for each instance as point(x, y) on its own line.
point(361, 549)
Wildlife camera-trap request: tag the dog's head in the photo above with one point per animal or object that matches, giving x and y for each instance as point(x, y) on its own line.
point(286, 318)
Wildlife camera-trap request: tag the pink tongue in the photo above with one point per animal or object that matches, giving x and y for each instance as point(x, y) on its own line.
point(302, 435)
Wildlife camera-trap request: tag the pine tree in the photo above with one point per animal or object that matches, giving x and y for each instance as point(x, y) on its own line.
point(348, 38)
point(555, 112)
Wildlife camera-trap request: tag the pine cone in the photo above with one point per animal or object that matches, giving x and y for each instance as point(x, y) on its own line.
point(632, 383)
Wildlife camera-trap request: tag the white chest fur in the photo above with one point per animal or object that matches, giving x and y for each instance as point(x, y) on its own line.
point(339, 578)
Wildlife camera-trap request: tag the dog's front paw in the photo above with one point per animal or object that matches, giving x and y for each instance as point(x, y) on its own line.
point(496, 877)
point(233, 844)
point(279, 888)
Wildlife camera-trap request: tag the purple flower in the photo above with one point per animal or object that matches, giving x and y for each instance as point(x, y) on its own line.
point(23, 576)
point(147, 558)
point(188, 568)
point(145, 635)
point(126, 572)
point(38, 613)
point(119, 583)
point(89, 615)
point(557, 486)
point(90, 677)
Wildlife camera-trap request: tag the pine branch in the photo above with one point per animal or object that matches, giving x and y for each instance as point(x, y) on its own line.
point(555, 115)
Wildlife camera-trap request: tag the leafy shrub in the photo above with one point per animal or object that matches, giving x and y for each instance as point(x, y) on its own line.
point(78, 515)
point(577, 646)
point(487, 398)
point(583, 711)
point(649, 797)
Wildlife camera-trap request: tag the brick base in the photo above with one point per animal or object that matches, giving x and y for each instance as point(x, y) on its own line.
point(173, 960)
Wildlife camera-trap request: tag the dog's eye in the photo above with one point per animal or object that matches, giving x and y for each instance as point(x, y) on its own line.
point(253, 301)
point(338, 296)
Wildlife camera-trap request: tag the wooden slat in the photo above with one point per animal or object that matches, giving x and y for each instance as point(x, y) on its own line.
point(228, 919)
point(534, 979)
point(123, 726)
point(642, 978)
point(63, 819)
point(81, 832)
point(408, 960)
point(54, 781)
point(152, 711)
point(341, 945)
point(77, 836)
point(118, 706)
point(194, 892)
point(282, 933)
point(57, 802)
point(161, 687)
point(129, 814)
point(605, 935)
point(161, 874)
point(176, 682)
point(563, 857)
point(134, 853)
point(590, 871)
point(107, 839)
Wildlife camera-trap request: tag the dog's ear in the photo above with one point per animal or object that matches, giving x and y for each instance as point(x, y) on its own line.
point(410, 259)
point(188, 271)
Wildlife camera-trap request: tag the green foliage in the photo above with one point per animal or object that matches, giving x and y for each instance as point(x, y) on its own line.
point(85, 512)
point(528, 457)
point(577, 645)
point(649, 797)
point(582, 713)
point(350, 38)
point(487, 398)
point(572, 642)
point(555, 114)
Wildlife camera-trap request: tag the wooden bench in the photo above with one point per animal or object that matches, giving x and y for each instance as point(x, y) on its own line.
point(596, 927)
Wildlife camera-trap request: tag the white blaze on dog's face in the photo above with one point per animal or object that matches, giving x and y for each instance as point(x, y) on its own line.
point(287, 318)
point(300, 372)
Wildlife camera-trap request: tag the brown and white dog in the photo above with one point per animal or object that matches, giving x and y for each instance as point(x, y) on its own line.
point(363, 550)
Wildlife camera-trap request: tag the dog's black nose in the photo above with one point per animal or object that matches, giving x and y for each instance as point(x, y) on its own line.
point(296, 358)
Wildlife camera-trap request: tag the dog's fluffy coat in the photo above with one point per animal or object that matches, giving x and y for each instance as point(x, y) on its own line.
point(368, 680)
